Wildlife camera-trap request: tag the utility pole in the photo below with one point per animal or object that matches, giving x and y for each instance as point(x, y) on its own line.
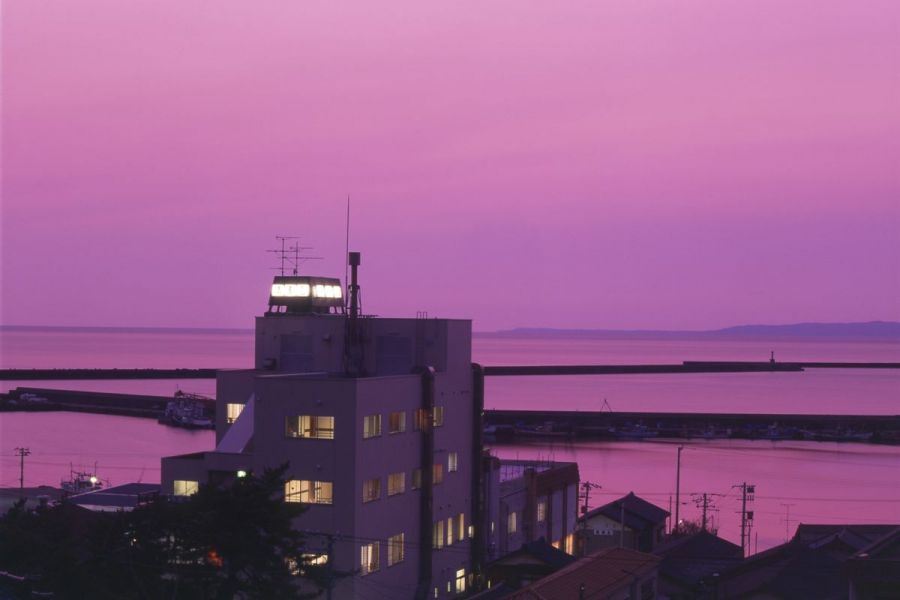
point(747, 492)
point(585, 495)
point(787, 519)
point(677, 488)
point(705, 503)
point(22, 452)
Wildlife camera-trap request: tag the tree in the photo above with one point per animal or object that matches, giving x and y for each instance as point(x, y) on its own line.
point(231, 540)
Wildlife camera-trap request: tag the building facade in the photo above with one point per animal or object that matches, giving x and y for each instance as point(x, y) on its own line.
point(529, 500)
point(379, 421)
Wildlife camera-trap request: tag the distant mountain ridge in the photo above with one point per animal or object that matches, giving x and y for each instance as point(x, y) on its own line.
point(871, 330)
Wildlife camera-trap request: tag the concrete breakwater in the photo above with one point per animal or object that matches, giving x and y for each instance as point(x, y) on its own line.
point(134, 405)
point(515, 426)
point(81, 374)
point(522, 425)
point(498, 370)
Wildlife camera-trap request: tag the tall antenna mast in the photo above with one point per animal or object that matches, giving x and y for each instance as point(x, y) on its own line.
point(347, 253)
point(291, 255)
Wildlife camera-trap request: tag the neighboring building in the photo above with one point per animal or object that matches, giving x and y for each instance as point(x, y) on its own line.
point(814, 565)
point(380, 420)
point(528, 500)
point(611, 574)
point(644, 525)
point(691, 563)
point(533, 561)
point(874, 571)
point(34, 497)
point(121, 497)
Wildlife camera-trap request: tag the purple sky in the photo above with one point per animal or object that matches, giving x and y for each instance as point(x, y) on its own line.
point(621, 164)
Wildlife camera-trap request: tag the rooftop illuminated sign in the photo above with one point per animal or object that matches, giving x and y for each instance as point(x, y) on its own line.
point(290, 290)
point(302, 290)
point(304, 294)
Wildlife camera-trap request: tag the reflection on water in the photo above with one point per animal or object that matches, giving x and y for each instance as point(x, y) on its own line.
point(822, 482)
point(125, 448)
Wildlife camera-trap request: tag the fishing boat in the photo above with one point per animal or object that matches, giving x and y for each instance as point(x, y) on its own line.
point(80, 482)
point(189, 411)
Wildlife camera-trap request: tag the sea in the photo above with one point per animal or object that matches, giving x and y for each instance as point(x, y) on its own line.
point(794, 482)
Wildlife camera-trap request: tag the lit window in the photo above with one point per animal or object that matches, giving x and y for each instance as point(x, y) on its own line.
point(569, 546)
point(371, 426)
point(541, 511)
point(422, 419)
point(472, 530)
point(511, 523)
point(326, 291)
point(397, 422)
point(449, 531)
point(290, 290)
point(437, 473)
point(308, 492)
point(185, 487)
point(416, 479)
point(437, 534)
point(452, 462)
point(395, 549)
point(232, 412)
point(396, 483)
point(438, 415)
point(461, 525)
point(371, 489)
point(460, 581)
point(309, 426)
point(296, 567)
point(368, 558)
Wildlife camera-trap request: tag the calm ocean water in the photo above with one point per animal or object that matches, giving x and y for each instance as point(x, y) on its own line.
point(823, 482)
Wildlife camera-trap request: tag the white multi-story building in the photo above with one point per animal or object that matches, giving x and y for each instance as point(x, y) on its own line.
point(379, 420)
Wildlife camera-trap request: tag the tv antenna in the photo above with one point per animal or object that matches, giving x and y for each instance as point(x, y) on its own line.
point(290, 254)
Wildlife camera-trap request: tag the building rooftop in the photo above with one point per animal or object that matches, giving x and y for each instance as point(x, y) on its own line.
point(638, 512)
point(120, 497)
point(601, 573)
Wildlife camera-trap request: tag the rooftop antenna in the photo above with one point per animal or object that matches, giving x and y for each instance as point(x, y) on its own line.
point(291, 254)
point(347, 252)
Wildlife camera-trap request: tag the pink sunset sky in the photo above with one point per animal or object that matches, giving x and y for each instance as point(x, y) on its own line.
point(610, 164)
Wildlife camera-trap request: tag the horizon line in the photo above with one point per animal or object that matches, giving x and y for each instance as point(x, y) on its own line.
point(518, 330)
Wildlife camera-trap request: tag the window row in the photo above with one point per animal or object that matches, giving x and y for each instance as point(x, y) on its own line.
point(322, 426)
point(397, 421)
point(396, 482)
point(369, 554)
point(455, 531)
